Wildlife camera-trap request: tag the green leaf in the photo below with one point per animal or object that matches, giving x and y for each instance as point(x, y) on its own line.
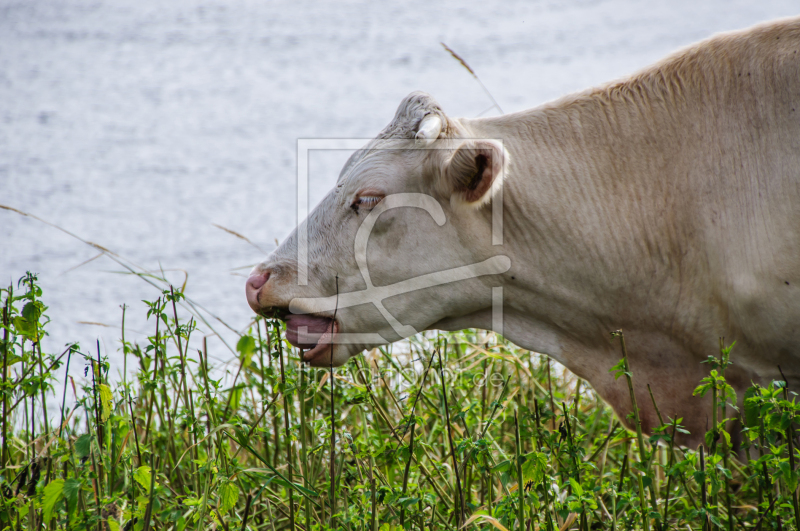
point(501, 466)
point(236, 396)
point(83, 446)
point(106, 400)
point(71, 488)
point(246, 345)
point(726, 437)
point(702, 389)
point(533, 469)
point(576, 487)
point(53, 492)
point(299, 488)
point(618, 369)
point(32, 311)
point(143, 477)
point(751, 408)
point(23, 327)
point(699, 476)
point(228, 496)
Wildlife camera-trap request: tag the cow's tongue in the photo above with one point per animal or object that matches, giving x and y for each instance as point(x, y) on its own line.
point(305, 331)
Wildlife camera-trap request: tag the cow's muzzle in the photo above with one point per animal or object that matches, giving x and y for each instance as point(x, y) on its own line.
point(253, 289)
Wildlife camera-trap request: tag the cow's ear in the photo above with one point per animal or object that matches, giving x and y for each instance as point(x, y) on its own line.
point(474, 172)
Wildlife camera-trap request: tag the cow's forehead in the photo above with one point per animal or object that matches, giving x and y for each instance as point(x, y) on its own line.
point(401, 130)
point(349, 165)
point(377, 153)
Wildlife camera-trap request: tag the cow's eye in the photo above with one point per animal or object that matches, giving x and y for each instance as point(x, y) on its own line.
point(366, 202)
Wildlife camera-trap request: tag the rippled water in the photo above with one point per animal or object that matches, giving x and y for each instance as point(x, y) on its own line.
point(141, 124)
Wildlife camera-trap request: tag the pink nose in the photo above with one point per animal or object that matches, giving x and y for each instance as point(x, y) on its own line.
point(253, 287)
point(257, 280)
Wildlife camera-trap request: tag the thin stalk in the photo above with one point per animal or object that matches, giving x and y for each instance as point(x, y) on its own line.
point(577, 396)
point(669, 476)
point(795, 501)
point(761, 519)
point(703, 499)
point(714, 409)
point(483, 420)
point(520, 483)
point(98, 425)
point(407, 470)
point(27, 373)
point(332, 494)
point(124, 352)
point(135, 432)
point(152, 493)
point(621, 481)
point(247, 512)
point(209, 418)
point(289, 456)
point(154, 378)
point(95, 480)
point(64, 395)
point(383, 415)
point(256, 423)
point(171, 451)
point(46, 418)
point(571, 442)
point(304, 441)
point(373, 495)
point(411, 442)
point(6, 309)
point(459, 510)
point(572, 451)
point(261, 387)
point(790, 447)
point(765, 478)
point(726, 450)
point(193, 417)
point(550, 395)
point(183, 386)
point(28, 416)
point(639, 436)
point(538, 446)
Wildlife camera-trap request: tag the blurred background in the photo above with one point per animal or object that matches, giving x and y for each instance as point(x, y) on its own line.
point(141, 124)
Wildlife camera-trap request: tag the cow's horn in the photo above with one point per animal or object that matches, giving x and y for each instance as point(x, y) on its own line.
point(429, 129)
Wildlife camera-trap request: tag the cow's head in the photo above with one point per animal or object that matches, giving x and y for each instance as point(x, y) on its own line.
point(401, 244)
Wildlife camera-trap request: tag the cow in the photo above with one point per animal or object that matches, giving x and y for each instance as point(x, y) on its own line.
point(665, 205)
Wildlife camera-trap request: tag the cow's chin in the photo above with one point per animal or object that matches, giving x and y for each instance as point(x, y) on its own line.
point(320, 356)
point(315, 335)
point(320, 340)
point(324, 353)
point(329, 355)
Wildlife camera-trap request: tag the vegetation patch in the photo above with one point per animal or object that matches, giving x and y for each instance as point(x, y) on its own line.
point(443, 431)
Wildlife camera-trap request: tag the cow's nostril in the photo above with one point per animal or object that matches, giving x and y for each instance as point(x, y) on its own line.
point(256, 281)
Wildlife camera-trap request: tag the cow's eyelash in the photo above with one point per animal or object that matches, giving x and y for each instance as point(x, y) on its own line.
point(366, 201)
point(369, 200)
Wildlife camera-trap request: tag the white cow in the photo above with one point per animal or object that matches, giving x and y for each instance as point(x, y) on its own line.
point(666, 205)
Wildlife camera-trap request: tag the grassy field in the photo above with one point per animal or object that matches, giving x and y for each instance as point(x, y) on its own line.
point(443, 431)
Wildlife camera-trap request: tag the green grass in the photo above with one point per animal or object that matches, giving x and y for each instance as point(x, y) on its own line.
point(437, 432)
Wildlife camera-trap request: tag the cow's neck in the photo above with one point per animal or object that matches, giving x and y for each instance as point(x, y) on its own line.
point(585, 219)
